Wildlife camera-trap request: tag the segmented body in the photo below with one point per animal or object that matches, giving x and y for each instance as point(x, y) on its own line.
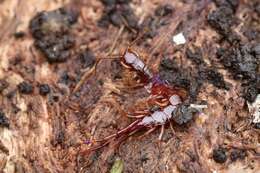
point(130, 59)
point(167, 98)
point(162, 116)
point(157, 118)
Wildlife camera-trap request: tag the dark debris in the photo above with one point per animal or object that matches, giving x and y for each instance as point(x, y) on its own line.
point(233, 4)
point(44, 89)
point(180, 77)
point(183, 114)
point(191, 79)
point(51, 31)
point(237, 155)
point(19, 34)
point(170, 71)
point(66, 78)
point(240, 59)
point(25, 87)
point(222, 20)
point(87, 58)
point(55, 21)
point(195, 55)
point(164, 10)
point(118, 13)
point(219, 155)
point(251, 90)
point(205, 72)
point(59, 138)
point(243, 63)
point(4, 122)
point(257, 125)
point(251, 26)
point(3, 84)
point(160, 17)
point(213, 77)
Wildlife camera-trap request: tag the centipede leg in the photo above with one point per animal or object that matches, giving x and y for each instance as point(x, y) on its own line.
point(162, 132)
point(148, 132)
point(122, 135)
point(124, 130)
point(138, 114)
point(135, 116)
point(98, 147)
point(171, 126)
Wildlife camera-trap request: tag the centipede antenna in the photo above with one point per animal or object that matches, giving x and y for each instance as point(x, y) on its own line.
point(92, 70)
point(126, 24)
point(116, 39)
point(85, 76)
point(138, 38)
point(111, 57)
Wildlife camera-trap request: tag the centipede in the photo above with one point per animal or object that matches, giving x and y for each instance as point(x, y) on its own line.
point(169, 101)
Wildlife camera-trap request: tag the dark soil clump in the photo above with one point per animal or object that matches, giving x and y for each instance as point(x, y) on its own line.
point(19, 34)
point(164, 10)
point(66, 78)
point(4, 122)
point(251, 26)
point(240, 59)
point(44, 89)
point(205, 73)
point(222, 20)
point(174, 74)
point(51, 31)
point(237, 154)
point(3, 85)
point(87, 58)
point(25, 87)
point(161, 17)
point(233, 4)
point(191, 79)
point(219, 155)
point(183, 114)
point(118, 13)
point(257, 126)
point(180, 77)
point(195, 55)
point(243, 63)
point(213, 77)
point(251, 90)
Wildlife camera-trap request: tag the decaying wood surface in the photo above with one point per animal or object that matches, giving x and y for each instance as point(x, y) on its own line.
point(48, 133)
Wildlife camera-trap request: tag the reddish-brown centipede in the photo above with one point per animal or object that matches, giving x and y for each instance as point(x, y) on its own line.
point(168, 99)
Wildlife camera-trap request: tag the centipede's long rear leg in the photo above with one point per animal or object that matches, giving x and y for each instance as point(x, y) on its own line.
point(135, 114)
point(162, 132)
point(129, 128)
point(148, 132)
point(123, 134)
point(138, 114)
